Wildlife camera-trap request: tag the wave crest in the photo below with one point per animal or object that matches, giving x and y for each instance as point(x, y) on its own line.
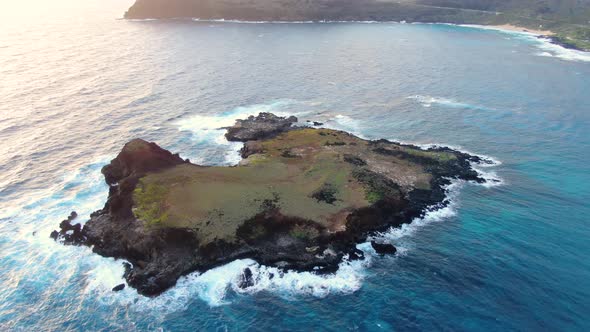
point(428, 101)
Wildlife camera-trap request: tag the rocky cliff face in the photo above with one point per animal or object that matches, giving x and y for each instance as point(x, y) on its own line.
point(136, 159)
point(300, 199)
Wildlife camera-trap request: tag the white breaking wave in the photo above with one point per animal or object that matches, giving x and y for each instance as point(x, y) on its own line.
point(215, 286)
point(547, 48)
point(345, 123)
point(395, 235)
point(428, 101)
point(492, 179)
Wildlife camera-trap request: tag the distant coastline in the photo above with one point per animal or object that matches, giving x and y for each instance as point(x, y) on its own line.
point(569, 31)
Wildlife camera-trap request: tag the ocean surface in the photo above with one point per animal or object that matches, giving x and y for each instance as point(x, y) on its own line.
point(76, 83)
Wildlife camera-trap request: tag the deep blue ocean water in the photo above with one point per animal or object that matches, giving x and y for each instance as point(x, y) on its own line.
point(76, 84)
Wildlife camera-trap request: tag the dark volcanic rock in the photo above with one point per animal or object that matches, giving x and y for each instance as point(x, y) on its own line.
point(383, 248)
point(158, 256)
point(119, 288)
point(268, 238)
point(356, 254)
point(137, 158)
point(70, 234)
point(265, 125)
point(246, 279)
point(114, 232)
point(315, 123)
point(354, 160)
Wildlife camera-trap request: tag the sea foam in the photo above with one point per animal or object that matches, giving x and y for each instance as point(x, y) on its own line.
point(220, 286)
point(428, 101)
point(434, 214)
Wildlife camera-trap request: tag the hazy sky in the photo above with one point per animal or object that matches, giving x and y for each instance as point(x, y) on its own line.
point(11, 9)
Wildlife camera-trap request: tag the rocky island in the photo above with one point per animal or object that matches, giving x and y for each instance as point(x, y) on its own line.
point(301, 198)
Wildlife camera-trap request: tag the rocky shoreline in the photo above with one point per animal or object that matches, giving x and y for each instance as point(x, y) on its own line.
point(563, 42)
point(309, 196)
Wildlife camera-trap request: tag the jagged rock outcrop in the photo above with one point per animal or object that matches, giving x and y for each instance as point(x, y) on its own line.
point(383, 248)
point(137, 158)
point(70, 233)
point(118, 288)
point(262, 126)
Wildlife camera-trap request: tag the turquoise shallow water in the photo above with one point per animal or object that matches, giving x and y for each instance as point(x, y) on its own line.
point(77, 84)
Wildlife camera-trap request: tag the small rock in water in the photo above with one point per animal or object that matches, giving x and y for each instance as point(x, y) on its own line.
point(265, 125)
point(246, 279)
point(383, 248)
point(356, 254)
point(119, 288)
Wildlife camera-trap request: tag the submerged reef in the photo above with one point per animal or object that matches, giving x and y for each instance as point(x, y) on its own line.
point(300, 199)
